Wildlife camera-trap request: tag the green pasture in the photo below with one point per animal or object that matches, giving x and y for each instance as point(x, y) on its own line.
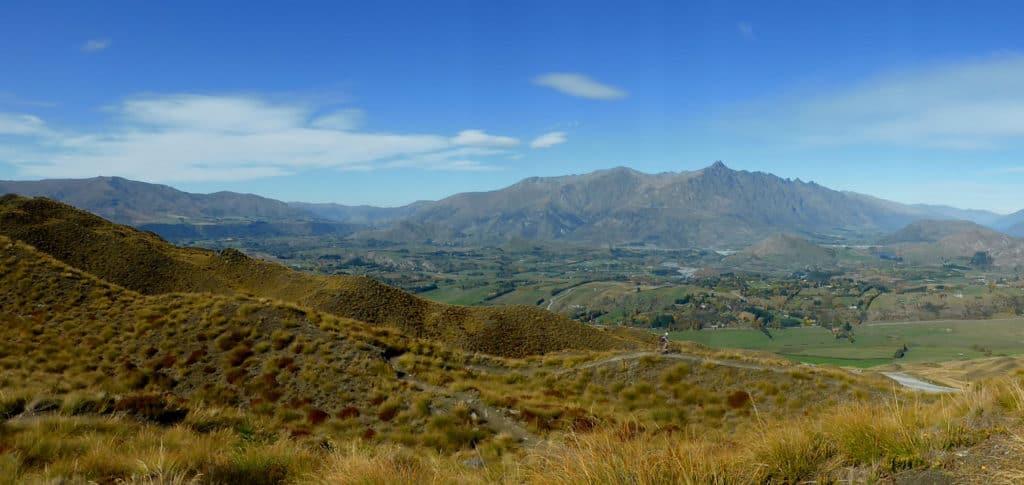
point(876, 344)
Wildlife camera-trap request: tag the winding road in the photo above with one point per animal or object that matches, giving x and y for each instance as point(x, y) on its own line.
point(559, 296)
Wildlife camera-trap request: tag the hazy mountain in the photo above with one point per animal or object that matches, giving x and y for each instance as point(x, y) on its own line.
point(1012, 224)
point(713, 207)
point(930, 231)
point(934, 242)
point(1016, 230)
point(982, 217)
point(130, 202)
point(359, 214)
point(182, 216)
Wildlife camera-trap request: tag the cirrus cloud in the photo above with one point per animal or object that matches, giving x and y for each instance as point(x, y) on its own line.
point(95, 45)
point(578, 85)
point(479, 138)
point(965, 105)
point(188, 137)
point(549, 140)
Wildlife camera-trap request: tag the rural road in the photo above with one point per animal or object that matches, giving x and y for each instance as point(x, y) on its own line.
point(916, 384)
point(559, 296)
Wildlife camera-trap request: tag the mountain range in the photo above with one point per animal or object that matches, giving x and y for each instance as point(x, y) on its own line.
point(715, 207)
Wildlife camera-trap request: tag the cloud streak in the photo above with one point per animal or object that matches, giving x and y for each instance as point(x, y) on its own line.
point(168, 138)
point(579, 85)
point(21, 125)
point(96, 45)
point(969, 105)
point(479, 138)
point(549, 140)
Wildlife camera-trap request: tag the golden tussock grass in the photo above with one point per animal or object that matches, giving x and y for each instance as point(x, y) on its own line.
point(145, 263)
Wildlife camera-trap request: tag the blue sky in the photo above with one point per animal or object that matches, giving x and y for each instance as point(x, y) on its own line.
point(390, 102)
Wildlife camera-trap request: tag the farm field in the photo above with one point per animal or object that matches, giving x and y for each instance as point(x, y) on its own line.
point(877, 344)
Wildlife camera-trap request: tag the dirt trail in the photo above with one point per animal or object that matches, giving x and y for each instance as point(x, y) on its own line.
point(489, 416)
point(911, 382)
point(687, 357)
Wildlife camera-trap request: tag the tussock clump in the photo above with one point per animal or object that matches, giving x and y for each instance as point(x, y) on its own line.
point(142, 366)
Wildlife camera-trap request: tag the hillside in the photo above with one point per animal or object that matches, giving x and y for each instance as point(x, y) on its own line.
point(220, 348)
point(714, 207)
point(930, 231)
point(1014, 221)
point(190, 388)
point(980, 217)
point(783, 252)
point(131, 202)
point(1008, 252)
point(145, 263)
point(1016, 230)
point(182, 216)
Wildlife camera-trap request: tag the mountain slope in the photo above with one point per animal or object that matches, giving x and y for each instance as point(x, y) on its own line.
point(130, 202)
point(1016, 230)
point(359, 214)
point(930, 231)
point(713, 207)
point(219, 348)
point(937, 242)
point(145, 263)
point(980, 217)
point(1012, 224)
point(782, 252)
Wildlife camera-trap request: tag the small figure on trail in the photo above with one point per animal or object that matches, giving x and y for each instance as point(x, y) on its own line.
point(663, 343)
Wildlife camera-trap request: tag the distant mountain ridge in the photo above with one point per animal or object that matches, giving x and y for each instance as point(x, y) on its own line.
point(359, 214)
point(929, 231)
point(130, 202)
point(980, 217)
point(715, 207)
point(181, 216)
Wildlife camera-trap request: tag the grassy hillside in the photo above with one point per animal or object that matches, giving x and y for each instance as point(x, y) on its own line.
point(145, 263)
point(929, 231)
point(783, 252)
point(221, 349)
point(172, 382)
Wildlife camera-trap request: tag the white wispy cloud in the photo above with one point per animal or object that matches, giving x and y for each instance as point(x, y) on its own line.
point(463, 159)
point(578, 85)
point(344, 120)
point(548, 140)
point(975, 104)
point(746, 29)
point(21, 125)
point(479, 138)
point(96, 45)
point(167, 138)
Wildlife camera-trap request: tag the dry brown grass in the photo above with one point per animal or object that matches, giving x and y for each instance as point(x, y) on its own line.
point(147, 264)
point(201, 387)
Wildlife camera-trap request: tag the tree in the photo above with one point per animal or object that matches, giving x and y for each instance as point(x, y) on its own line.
point(982, 260)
